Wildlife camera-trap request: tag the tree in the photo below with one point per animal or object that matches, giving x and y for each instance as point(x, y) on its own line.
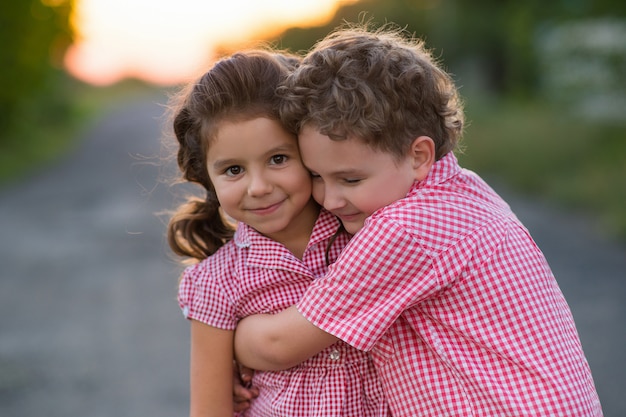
point(491, 43)
point(34, 35)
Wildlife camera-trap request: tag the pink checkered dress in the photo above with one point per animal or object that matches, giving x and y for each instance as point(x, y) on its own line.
point(458, 307)
point(253, 274)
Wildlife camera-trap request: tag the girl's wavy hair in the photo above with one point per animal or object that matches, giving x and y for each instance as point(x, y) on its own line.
point(379, 85)
point(236, 88)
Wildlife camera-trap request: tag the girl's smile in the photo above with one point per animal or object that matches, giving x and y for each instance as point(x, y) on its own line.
point(259, 178)
point(264, 210)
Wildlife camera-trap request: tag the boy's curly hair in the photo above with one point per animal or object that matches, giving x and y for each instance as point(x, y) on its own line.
point(380, 86)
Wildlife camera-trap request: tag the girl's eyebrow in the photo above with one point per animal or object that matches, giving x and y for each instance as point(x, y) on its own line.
point(225, 163)
point(283, 148)
point(280, 149)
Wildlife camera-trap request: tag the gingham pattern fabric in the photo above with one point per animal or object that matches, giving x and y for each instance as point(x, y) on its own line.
point(253, 274)
point(457, 306)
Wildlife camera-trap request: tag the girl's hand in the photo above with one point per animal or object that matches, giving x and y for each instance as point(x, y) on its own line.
point(243, 391)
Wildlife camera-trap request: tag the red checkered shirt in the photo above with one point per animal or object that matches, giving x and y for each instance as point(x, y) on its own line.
point(253, 274)
point(457, 306)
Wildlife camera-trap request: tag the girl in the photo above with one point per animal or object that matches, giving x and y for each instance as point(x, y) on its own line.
point(232, 144)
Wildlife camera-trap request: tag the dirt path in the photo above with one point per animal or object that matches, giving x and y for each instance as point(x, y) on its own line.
point(89, 324)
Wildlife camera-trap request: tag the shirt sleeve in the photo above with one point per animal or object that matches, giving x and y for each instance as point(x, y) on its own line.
point(382, 272)
point(202, 297)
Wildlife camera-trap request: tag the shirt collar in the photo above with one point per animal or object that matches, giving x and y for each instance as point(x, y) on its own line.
point(325, 226)
point(441, 171)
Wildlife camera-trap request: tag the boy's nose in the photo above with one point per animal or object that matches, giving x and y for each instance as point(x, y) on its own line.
point(332, 199)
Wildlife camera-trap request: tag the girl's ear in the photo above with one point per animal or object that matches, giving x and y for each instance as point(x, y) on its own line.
point(422, 154)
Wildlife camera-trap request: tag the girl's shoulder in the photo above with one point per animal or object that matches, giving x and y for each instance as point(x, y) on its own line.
point(219, 263)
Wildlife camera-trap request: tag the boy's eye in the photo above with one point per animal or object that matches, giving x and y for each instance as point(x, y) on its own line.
point(278, 159)
point(233, 171)
point(352, 180)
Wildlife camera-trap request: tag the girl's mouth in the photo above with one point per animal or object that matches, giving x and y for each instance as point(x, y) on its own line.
point(261, 211)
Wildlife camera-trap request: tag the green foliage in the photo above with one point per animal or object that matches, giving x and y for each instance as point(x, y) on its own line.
point(488, 44)
point(41, 129)
point(34, 35)
point(52, 128)
point(538, 149)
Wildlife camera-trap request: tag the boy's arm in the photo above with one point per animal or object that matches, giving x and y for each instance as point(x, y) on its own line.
point(272, 342)
point(211, 371)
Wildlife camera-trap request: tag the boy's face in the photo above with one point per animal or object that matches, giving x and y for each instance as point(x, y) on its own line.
point(352, 180)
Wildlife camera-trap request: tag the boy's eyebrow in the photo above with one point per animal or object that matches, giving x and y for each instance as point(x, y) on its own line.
point(345, 172)
point(339, 172)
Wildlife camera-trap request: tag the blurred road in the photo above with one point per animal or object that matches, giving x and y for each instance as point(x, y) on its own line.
point(89, 324)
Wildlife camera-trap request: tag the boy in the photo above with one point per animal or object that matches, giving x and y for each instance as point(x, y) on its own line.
point(440, 283)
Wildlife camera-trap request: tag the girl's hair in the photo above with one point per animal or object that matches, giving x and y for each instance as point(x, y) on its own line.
point(237, 88)
point(379, 86)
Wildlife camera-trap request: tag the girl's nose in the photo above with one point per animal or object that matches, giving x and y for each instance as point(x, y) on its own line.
point(259, 185)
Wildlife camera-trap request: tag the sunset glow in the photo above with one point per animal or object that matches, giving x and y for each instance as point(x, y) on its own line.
point(166, 42)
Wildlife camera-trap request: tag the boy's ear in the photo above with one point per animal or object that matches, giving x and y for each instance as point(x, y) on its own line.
point(422, 153)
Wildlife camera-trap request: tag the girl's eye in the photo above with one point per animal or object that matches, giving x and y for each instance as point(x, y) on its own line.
point(233, 171)
point(352, 180)
point(278, 159)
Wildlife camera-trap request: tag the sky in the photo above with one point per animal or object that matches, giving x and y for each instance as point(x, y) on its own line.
point(167, 42)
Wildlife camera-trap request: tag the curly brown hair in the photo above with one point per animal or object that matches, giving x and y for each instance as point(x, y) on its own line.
point(379, 85)
point(237, 88)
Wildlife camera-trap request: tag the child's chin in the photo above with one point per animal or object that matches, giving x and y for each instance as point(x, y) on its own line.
point(353, 227)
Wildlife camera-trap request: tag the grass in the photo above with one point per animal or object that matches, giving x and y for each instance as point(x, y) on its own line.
point(47, 130)
point(540, 149)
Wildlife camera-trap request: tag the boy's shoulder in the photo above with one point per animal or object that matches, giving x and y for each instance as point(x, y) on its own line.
point(450, 204)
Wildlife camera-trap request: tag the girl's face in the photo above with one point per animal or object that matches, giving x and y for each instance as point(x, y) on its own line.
point(352, 180)
point(259, 178)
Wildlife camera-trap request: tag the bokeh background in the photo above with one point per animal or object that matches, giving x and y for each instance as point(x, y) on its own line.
point(91, 327)
point(543, 81)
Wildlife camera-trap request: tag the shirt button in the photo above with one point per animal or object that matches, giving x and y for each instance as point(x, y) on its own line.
point(334, 355)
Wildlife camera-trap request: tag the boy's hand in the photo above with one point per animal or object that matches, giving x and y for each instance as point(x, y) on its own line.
point(243, 391)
